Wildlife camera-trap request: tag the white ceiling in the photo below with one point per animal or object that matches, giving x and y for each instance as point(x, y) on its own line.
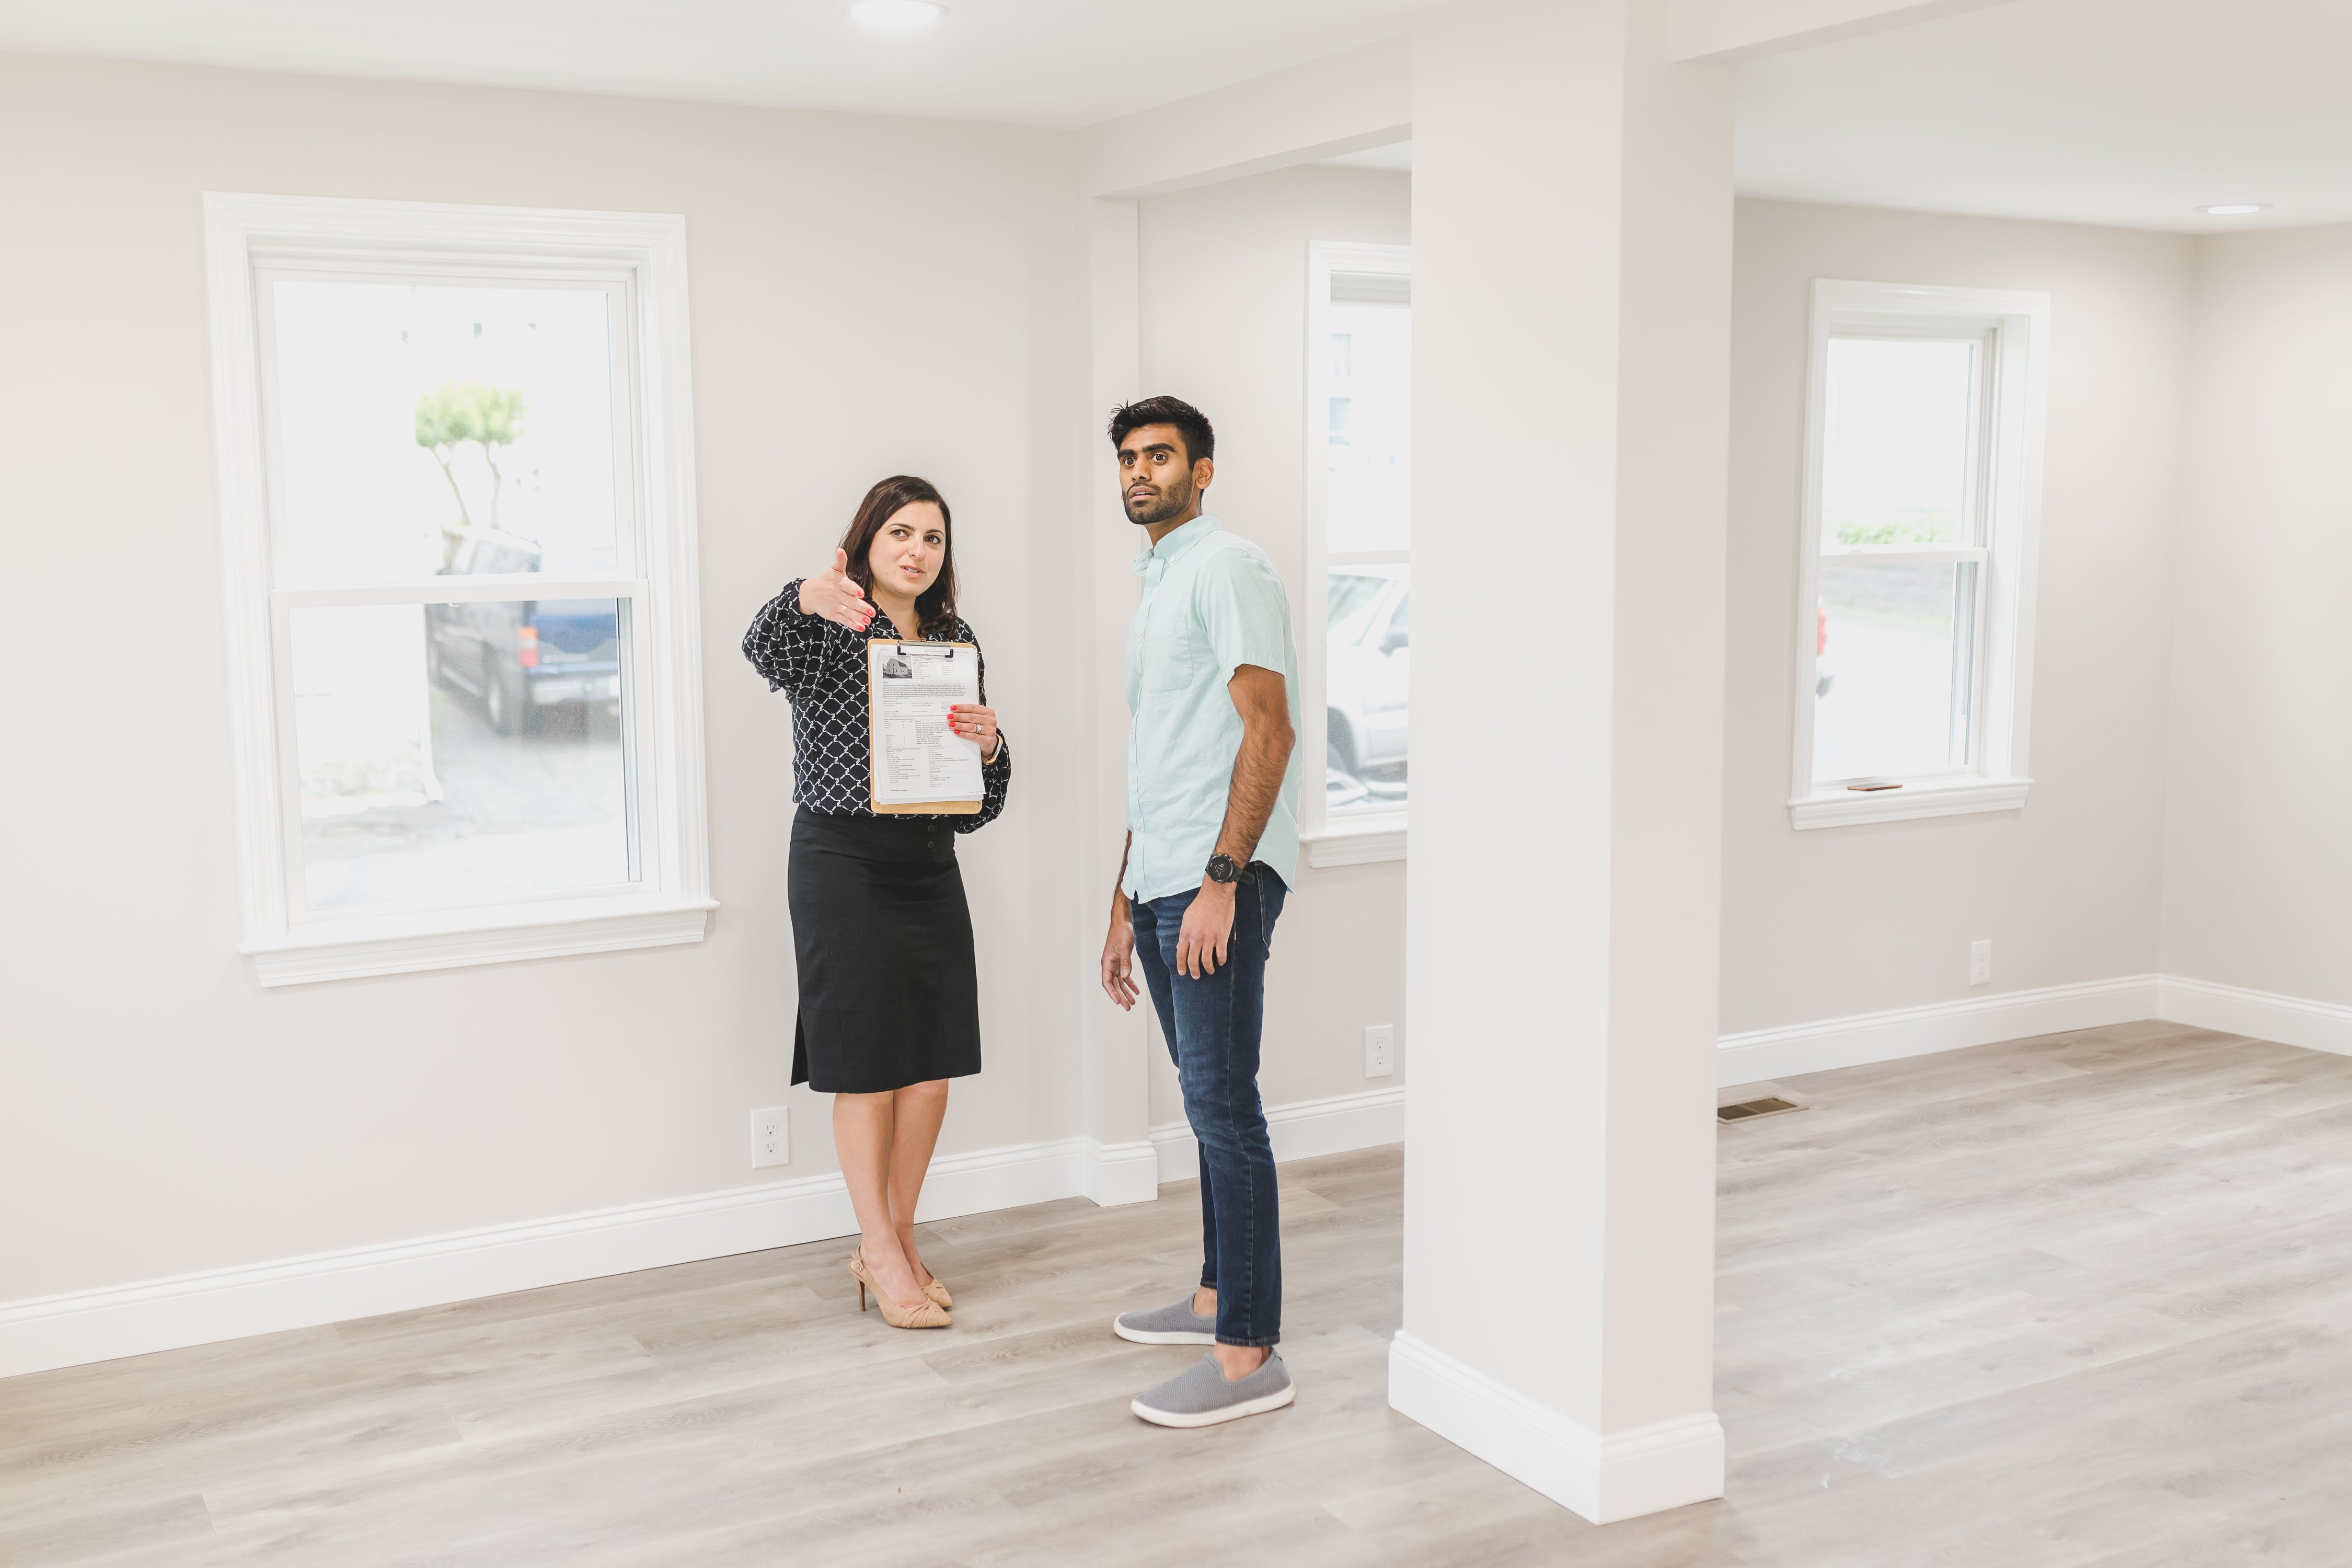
point(2132, 112)
point(1063, 63)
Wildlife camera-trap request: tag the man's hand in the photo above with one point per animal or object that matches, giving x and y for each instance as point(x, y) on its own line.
point(1207, 934)
point(1118, 958)
point(836, 595)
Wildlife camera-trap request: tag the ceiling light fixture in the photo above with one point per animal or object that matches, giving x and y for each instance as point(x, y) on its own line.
point(897, 16)
point(2235, 210)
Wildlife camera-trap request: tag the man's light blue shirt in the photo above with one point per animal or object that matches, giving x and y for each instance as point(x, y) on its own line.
point(1212, 603)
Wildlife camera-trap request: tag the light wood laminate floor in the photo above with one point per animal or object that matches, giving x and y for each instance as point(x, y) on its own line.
point(2074, 1301)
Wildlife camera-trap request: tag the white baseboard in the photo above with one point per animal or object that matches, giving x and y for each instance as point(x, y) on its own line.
point(1121, 1172)
point(85, 1326)
point(1818, 1047)
point(1602, 1477)
point(302, 1292)
point(2264, 1014)
point(1300, 1132)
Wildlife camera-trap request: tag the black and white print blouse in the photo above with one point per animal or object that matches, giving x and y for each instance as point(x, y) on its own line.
point(821, 666)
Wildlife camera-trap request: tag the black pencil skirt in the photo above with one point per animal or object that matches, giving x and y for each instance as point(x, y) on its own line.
point(889, 991)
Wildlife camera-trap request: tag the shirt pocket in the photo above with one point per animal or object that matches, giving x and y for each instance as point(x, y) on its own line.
point(1170, 645)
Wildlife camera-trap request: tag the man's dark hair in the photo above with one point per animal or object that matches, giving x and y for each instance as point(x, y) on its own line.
point(1199, 436)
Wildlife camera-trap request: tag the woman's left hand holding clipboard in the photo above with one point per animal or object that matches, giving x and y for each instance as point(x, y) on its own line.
point(975, 722)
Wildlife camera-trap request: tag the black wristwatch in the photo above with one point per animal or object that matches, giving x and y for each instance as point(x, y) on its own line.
point(1225, 868)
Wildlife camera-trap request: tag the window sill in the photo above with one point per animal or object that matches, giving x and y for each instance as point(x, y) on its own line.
point(1840, 808)
point(1357, 842)
point(452, 938)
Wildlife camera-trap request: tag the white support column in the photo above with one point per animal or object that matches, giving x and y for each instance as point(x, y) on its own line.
point(1571, 299)
point(1121, 1166)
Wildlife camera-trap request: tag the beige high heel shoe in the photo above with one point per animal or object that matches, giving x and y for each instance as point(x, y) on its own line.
point(925, 1314)
point(939, 1292)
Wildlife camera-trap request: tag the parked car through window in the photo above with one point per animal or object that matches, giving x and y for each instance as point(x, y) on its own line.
point(519, 659)
point(1367, 679)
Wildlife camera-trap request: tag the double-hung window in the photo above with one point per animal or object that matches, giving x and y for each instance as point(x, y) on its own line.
point(1357, 620)
point(1914, 641)
point(457, 508)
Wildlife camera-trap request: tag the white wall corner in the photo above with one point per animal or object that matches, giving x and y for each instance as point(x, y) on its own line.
point(1602, 1477)
point(1114, 1174)
point(1820, 1046)
point(2263, 1015)
point(1115, 1048)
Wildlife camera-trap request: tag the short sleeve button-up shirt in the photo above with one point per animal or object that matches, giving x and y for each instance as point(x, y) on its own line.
point(1212, 603)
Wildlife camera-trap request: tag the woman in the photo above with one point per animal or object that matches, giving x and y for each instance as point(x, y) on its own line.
point(890, 1004)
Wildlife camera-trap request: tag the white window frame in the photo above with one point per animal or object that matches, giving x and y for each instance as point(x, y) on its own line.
point(2017, 327)
point(1352, 839)
point(641, 256)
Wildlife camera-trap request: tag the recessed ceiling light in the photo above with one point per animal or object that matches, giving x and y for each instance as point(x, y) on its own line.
point(897, 15)
point(2235, 210)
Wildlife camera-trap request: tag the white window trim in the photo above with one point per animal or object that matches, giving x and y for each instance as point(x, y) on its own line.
point(649, 250)
point(1997, 778)
point(1354, 839)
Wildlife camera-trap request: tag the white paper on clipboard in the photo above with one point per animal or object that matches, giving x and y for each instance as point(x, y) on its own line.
point(917, 758)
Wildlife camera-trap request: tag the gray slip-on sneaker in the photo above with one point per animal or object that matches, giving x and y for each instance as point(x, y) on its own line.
point(1200, 1395)
point(1174, 1324)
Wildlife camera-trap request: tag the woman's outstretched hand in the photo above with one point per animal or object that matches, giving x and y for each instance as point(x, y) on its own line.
point(837, 597)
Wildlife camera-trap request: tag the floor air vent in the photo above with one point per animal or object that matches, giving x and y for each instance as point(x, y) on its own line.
point(1768, 1106)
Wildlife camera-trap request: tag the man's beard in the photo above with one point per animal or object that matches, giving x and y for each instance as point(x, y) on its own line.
point(1170, 503)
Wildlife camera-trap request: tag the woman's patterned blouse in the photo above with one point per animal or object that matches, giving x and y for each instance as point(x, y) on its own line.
point(821, 666)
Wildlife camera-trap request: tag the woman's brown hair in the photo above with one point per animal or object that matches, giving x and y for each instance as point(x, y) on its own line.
point(935, 603)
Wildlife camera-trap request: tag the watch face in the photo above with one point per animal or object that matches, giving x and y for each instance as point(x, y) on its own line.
point(1222, 869)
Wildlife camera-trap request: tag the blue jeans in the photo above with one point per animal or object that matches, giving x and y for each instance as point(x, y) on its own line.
point(1212, 1026)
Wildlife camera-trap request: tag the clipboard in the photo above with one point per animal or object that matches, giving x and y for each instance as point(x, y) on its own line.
point(874, 732)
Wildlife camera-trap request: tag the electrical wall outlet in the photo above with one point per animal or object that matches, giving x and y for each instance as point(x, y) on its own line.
point(1380, 1050)
point(1980, 963)
point(771, 1138)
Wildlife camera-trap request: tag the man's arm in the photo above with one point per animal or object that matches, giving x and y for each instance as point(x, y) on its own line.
point(1265, 756)
point(1119, 943)
point(1258, 766)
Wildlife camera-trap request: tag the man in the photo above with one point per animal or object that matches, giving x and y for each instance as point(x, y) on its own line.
point(1211, 846)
